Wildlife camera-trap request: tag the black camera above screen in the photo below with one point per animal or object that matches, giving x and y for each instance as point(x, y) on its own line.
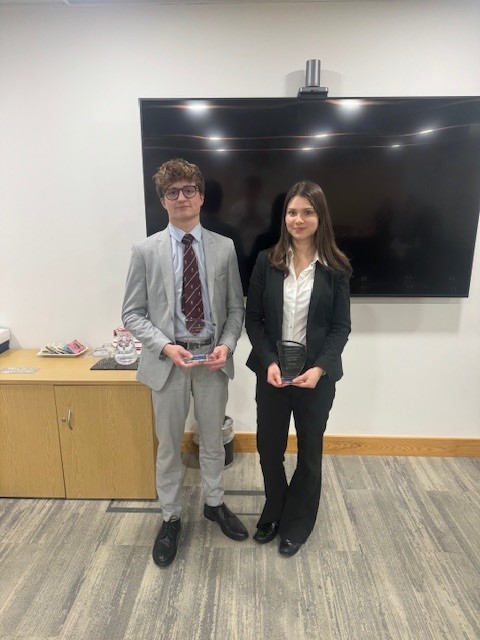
point(401, 176)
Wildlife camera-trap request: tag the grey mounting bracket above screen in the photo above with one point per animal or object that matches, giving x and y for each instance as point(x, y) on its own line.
point(312, 88)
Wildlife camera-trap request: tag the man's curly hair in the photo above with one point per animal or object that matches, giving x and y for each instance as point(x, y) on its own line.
point(175, 171)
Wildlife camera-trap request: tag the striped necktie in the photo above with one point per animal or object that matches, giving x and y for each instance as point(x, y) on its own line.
point(192, 305)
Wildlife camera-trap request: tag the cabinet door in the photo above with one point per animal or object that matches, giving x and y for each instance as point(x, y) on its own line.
point(30, 460)
point(106, 441)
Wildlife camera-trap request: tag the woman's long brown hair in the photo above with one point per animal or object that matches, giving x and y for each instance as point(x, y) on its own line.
point(328, 252)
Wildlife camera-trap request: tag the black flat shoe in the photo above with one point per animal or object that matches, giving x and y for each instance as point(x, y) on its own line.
point(228, 521)
point(266, 532)
point(288, 547)
point(165, 547)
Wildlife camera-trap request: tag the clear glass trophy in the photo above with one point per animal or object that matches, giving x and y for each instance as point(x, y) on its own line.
point(292, 356)
point(125, 350)
point(200, 345)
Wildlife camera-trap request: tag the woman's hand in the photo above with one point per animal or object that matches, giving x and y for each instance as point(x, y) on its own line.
point(309, 379)
point(274, 376)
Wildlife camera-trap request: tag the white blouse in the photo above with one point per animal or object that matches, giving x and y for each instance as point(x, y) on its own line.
point(296, 300)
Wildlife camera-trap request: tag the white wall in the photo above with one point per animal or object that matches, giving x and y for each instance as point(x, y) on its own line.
point(70, 79)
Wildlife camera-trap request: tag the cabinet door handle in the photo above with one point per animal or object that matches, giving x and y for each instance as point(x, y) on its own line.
point(68, 420)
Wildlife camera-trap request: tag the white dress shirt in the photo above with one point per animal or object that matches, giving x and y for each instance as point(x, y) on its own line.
point(296, 300)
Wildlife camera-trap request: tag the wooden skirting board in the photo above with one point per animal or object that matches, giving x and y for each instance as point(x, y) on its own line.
point(356, 445)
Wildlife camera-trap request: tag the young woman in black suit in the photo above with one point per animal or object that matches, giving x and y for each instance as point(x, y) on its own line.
point(299, 290)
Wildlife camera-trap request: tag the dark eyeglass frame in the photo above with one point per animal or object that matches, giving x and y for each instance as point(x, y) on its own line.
point(173, 193)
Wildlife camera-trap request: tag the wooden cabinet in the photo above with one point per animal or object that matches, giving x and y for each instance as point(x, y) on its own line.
point(30, 459)
point(104, 449)
point(66, 431)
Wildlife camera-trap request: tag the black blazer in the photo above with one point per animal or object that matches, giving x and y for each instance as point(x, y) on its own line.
point(328, 324)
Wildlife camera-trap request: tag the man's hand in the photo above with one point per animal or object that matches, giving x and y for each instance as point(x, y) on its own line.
point(274, 376)
point(218, 358)
point(176, 353)
point(309, 379)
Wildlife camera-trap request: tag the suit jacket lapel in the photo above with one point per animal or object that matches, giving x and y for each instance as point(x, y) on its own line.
point(165, 258)
point(316, 293)
point(276, 282)
point(210, 263)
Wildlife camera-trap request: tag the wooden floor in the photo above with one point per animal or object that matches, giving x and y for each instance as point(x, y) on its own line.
point(395, 555)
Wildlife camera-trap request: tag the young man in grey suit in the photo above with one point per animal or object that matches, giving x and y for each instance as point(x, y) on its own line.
point(184, 281)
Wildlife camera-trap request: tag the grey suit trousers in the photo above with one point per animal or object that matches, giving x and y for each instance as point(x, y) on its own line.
point(171, 405)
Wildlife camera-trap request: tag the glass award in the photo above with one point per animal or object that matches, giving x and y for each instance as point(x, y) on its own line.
point(292, 356)
point(125, 350)
point(201, 344)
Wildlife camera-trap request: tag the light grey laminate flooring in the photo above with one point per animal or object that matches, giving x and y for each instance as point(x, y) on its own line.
point(394, 555)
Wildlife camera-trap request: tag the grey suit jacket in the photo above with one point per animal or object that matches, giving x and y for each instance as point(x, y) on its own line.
point(149, 303)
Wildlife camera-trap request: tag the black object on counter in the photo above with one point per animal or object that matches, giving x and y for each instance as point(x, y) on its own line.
point(107, 364)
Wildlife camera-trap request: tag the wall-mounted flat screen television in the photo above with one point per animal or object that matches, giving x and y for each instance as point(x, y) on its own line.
point(401, 176)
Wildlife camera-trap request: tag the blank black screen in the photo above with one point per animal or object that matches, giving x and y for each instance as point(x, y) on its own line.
point(401, 176)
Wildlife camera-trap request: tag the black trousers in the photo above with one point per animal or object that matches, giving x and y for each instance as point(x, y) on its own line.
point(294, 506)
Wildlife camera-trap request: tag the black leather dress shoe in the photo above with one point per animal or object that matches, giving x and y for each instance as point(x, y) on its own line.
point(165, 547)
point(288, 547)
point(228, 521)
point(266, 532)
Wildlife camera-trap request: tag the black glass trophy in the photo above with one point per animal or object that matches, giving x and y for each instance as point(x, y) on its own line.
point(292, 356)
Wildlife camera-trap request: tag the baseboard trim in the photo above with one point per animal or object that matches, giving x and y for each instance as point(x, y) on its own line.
point(355, 445)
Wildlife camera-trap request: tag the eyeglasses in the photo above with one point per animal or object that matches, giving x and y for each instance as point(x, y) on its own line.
point(188, 191)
